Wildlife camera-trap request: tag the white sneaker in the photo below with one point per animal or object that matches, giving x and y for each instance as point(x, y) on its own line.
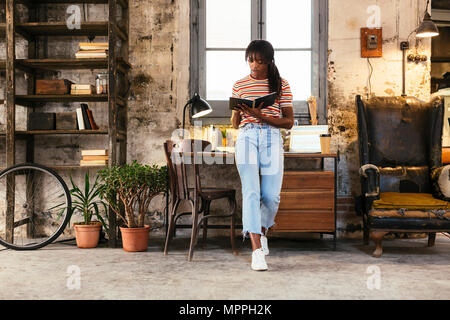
point(264, 245)
point(259, 261)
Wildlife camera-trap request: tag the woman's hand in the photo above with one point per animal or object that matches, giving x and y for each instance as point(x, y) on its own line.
point(286, 121)
point(235, 118)
point(254, 112)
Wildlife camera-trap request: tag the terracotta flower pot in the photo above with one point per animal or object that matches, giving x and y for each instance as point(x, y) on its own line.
point(135, 239)
point(87, 235)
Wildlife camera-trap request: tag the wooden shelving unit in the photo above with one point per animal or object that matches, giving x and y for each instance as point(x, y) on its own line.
point(34, 66)
point(69, 167)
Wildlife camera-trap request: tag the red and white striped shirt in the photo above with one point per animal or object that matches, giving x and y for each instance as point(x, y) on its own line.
point(251, 88)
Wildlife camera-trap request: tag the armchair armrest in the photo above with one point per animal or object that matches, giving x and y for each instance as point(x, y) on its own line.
point(440, 178)
point(371, 175)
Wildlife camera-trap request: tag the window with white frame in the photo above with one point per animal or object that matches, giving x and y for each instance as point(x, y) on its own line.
point(221, 31)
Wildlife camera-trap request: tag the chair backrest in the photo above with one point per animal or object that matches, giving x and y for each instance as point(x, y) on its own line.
point(402, 136)
point(177, 156)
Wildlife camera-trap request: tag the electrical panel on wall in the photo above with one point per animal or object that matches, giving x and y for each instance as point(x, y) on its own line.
point(371, 42)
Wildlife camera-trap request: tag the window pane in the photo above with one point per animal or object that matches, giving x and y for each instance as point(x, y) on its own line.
point(289, 23)
point(295, 67)
point(228, 23)
point(223, 69)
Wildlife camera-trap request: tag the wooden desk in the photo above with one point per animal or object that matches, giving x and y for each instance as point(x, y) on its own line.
point(308, 199)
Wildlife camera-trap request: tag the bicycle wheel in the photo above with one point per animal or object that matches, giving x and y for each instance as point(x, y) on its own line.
point(35, 206)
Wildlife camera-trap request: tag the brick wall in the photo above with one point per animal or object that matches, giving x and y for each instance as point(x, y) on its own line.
point(349, 225)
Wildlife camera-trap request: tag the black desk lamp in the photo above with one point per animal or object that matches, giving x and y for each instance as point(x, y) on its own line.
point(427, 29)
point(198, 109)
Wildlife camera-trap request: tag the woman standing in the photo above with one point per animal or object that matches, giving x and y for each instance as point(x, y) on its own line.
point(259, 146)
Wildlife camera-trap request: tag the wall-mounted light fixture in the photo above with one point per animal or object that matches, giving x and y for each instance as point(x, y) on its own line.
point(426, 29)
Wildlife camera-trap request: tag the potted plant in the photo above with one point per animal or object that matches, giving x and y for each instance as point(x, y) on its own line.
point(87, 202)
point(132, 187)
point(224, 137)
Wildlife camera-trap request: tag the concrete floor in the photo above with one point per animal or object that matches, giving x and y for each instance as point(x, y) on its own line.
point(299, 269)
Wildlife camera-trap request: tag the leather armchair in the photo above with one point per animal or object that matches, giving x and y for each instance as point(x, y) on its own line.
point(400, 148)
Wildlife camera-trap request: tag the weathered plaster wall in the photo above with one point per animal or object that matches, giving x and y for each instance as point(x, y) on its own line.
point(348, 73)
point(159, 53)
point(159, 43)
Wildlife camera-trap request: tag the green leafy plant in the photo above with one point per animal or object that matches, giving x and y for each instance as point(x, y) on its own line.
point(224, 133)
point(132, 187)
point(87, 201)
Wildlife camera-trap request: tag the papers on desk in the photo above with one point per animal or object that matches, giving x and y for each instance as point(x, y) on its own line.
point(306, 139)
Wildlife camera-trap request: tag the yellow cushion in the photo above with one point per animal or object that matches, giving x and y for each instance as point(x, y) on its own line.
point(419, 201)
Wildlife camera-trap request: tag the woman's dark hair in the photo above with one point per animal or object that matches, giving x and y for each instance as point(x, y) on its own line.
point(264, 51)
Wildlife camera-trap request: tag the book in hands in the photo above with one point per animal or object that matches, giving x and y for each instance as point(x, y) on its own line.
point(267, 101)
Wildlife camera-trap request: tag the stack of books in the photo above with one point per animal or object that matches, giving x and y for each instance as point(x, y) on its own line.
point(89, 50)
point(85, 118)
point(82, 89)
point(94, 157)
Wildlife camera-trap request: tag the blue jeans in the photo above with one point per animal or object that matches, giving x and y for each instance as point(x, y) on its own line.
point(260, 163)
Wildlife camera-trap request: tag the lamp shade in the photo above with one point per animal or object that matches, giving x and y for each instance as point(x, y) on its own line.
point(199, 107)
point(427, 28)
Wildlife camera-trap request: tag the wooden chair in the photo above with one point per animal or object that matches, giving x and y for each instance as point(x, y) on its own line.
point(199, 198)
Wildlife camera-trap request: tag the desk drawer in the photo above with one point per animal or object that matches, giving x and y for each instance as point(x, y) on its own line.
point(304, 221)
point(320, 199)
point(308, 180)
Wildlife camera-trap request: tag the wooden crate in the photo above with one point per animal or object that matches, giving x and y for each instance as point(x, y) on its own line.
point(41, 121)
point(66, 121)
point(53, 86)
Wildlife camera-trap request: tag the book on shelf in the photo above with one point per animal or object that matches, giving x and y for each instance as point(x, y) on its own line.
point(80, 120)
point(266, 100)
point(75, 92)
point(87, 124)
point(91, 54)
point(93, 162)
point(94, 45)
point(94, 126)
point(94, 152)
point(93, 158)
point(82, 89)
point(85, 119)
point(79, 86)
point(93, 51)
